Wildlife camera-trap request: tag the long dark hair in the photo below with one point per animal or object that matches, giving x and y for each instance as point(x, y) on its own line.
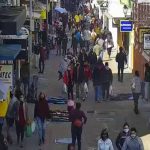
point(104, 131)
point(42, 93)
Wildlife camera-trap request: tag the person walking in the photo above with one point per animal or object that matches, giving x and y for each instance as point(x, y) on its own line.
point(97, 50)
point(121, 59)
point(68, 81)
point(87, 38)
point(82, 57)
point(64, 44)
point(133, 142)
point(42, 59)
point(74, 44)
point(10, 118)
point(41, 112)
point(147, 82)
point(123, 135)
point(107, 81)
point(92, 59)
point(78, 118)
point(136, 90)
point(110, 45)
point(105, 143)
point(24, 74)
point(79, 79)
point(21, 117)
point(98, 74)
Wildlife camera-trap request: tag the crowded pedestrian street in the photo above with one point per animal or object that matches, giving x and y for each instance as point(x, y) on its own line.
point(78, 79)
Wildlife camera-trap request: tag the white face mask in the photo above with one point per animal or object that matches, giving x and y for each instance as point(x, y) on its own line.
point(126, 130)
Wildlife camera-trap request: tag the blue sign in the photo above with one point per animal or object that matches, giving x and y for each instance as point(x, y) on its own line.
point(126, 26)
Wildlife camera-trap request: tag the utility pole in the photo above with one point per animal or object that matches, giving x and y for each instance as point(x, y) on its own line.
point(30, 42)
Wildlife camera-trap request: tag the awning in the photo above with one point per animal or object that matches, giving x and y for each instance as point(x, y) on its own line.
point(9, 52)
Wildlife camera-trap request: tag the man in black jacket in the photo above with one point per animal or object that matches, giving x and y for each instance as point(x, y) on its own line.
point(107, 81)
point(92, 59)
point(121, 59)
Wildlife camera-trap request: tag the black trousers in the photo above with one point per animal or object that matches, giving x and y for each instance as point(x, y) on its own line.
point(120, 73)
point(70, 91)
point(105, 90)
point(41, 65)
point(136, 98)
point(19, 131)
point(76, 135)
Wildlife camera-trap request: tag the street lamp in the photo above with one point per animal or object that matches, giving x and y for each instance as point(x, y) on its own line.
point(125, 10)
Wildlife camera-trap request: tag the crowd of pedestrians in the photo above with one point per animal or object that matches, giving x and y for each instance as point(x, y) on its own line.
point(82, 63)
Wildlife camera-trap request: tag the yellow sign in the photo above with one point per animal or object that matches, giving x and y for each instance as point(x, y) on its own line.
point(6, 74)
point(43, 14)
point(4, 105)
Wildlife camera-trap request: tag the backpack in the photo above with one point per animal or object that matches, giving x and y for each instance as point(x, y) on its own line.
point(78, 123)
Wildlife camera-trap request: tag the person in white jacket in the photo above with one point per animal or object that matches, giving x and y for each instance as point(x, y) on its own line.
point(105, 143)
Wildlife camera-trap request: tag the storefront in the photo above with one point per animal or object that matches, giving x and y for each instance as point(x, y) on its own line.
point(8, 54)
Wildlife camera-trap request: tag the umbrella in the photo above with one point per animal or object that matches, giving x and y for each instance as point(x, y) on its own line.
point(61, 10)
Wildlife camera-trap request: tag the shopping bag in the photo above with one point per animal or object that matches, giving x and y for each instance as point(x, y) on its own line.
point(111, 90)
point(28, 131)
point(86, 90)
point(33, 126)
point(64, 88)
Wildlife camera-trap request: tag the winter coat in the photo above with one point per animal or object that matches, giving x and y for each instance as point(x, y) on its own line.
point(108, 76)
point(98, 74)
point(133, 144)
point(105, 145)
point(136, 84)
point(16, 110)
point(66, 79)
point(79, 75)
point(64, 42)
point(121, 139)
point(87, 73)
point(92, 58)
point(121, 59)
point(41, 109)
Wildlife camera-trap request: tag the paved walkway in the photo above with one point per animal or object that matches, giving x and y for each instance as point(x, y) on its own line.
point(109, 115)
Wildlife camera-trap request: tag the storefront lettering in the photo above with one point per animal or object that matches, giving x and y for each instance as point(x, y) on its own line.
point(6, 75)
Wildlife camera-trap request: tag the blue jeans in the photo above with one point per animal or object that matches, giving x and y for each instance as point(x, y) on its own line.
point(41, 128)
point(98, 92)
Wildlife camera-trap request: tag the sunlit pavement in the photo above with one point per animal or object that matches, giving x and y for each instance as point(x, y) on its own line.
point(109, 114)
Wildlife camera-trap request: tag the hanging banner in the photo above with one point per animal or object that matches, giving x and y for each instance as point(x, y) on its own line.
point(6, 74)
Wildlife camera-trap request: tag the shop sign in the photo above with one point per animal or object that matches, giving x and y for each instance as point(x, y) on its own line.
point(146, 41)
point(126, 26)
point(6, 74)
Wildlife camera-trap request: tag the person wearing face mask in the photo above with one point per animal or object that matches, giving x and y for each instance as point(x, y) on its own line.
point(133, 142)
point(41, 112)
point(21, 118)
point(122, 136)
point(105, 143)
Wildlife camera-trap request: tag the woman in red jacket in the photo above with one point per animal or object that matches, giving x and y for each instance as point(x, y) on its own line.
point(68, 80)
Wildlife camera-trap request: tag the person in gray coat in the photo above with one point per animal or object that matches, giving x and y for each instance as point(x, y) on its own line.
point(136, 90)
point(133, 142)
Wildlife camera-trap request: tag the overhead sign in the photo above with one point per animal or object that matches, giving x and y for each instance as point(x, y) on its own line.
point(126, 26)
point(6, 74)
